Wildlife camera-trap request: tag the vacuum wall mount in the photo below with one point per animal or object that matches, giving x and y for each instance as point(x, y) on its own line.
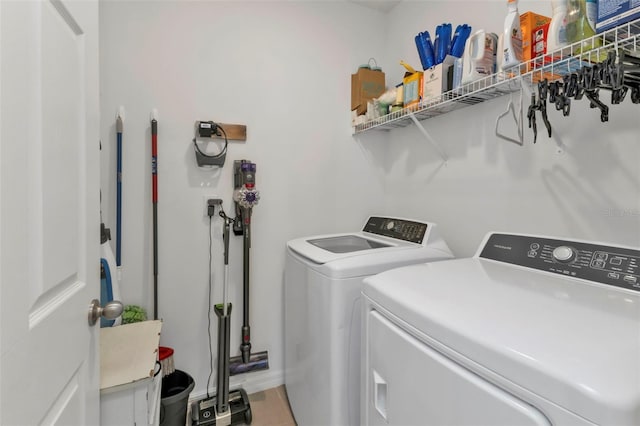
point(209, 129)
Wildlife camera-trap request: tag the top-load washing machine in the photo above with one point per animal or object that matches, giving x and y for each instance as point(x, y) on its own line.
point(530, 331)
point(323, 280)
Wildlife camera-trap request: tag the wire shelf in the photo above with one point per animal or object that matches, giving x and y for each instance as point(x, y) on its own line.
point(552, 66)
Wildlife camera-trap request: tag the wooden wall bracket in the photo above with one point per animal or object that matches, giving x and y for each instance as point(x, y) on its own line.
point(235, 132)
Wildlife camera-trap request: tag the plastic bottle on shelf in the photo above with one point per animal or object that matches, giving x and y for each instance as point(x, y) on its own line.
point(510, 53)
point(578, 27)
point(442, 43)
point(459, 39)
point(425, 50)
point(479, 58)
point(592, 12)
point(557, 34)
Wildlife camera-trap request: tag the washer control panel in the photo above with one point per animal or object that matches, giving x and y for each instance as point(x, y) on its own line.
point(604, 264)
point(400, 229)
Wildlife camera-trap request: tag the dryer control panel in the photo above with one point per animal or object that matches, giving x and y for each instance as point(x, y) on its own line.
point(603, 264)
point(400, 229)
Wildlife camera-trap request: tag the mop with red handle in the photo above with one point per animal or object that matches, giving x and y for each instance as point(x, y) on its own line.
point(154, 199)
point(165, 354)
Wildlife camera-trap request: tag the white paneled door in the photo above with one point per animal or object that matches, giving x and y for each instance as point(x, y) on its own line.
point(49, 212)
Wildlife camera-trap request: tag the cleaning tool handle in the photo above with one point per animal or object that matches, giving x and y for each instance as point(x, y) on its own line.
point(224, 342)
point(154, 181)
point(154, 158)
point(225, 238)
point(119, 127)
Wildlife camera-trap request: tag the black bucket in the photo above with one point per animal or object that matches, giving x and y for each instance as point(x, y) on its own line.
point(174, 398)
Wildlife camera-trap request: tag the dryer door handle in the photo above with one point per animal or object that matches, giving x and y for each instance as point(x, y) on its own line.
point(380, 394)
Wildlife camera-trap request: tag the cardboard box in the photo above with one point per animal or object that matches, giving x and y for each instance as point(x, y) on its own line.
point(612, 13)
point(412, 88)
point(539, 50)
point(436, 79)
point(366, 84)
point(528, 22)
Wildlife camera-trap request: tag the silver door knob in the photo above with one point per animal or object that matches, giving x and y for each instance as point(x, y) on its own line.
point(111, 310)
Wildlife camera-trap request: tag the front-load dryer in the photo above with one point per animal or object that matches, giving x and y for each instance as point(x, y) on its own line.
point(530, 331)
point(322, 288)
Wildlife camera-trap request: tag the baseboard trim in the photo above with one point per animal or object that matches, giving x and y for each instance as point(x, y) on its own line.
point(251, 382)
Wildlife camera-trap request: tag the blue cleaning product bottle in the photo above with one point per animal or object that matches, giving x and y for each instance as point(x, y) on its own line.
point(421, 52)
point(443, 42)
point(459, 39)
point(430, 52)
point(425, 49)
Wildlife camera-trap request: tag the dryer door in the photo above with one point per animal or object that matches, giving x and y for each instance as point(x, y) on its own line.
point(407, 382)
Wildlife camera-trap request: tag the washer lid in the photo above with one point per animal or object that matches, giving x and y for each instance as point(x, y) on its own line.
point(384, 243)
point(323, 249)
point(571, 341)
point(346, 243)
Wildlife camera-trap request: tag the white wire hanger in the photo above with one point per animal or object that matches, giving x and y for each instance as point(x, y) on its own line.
point(517, 118)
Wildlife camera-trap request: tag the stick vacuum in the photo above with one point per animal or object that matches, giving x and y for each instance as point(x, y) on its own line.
point(225, 408)
point(246, 197)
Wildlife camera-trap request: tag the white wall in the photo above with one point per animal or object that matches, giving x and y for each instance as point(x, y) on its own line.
point(282, 69)
point(584, 183)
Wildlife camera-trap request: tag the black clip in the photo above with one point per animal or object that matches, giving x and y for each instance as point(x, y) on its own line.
point(570, 84)
point(608, 70)
point(539, 105)
point(594, 97)
point(618, 95)
point(531, 115)
point(579, 85)
point(553, 91)
point(542, 93)
point(542, 90)
point(635, 95)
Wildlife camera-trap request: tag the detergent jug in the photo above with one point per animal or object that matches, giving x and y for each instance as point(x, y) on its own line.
point(479, 59)
point(510, 53)
point(557, 34)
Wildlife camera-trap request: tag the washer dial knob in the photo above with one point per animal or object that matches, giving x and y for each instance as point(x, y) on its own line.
point(564, 254)
point(390, 225)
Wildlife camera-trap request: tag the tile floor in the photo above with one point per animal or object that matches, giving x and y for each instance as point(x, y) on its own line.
point(271, 408)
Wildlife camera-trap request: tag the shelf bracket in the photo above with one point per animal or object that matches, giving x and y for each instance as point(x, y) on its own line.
point(428, 137)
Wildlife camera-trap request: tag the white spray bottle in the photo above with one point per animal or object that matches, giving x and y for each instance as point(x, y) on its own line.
point(511, 49)
point(557, 35)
